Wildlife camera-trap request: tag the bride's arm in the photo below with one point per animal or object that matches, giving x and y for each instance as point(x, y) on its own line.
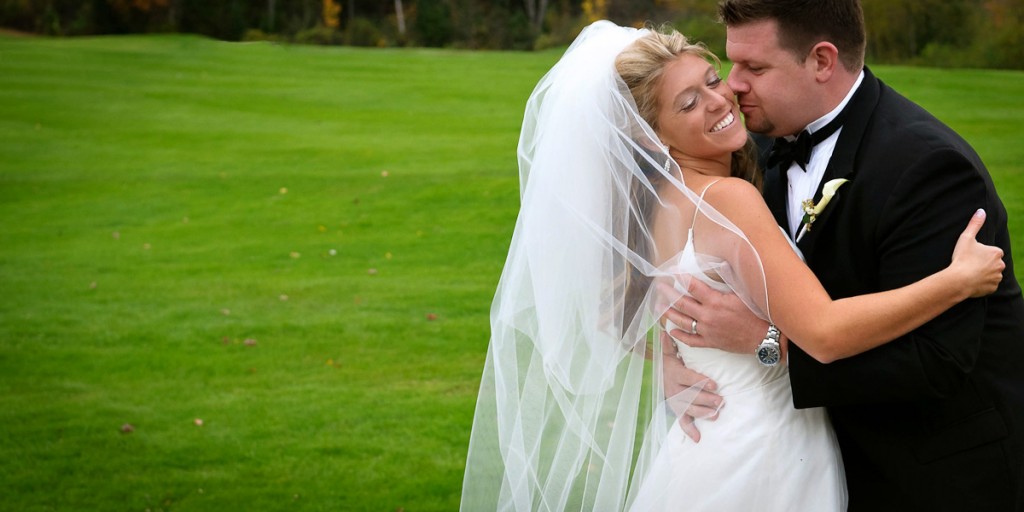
point(833, 329)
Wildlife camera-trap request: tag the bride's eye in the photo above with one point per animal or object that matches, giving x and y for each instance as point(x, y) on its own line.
point(715, 80)
point(688, 105)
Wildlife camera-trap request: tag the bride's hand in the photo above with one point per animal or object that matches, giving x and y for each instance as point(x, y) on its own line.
point(981, 265)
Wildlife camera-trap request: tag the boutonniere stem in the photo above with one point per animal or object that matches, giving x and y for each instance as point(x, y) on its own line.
point(811, 210)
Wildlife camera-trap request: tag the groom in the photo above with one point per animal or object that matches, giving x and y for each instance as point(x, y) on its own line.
point(933, 420)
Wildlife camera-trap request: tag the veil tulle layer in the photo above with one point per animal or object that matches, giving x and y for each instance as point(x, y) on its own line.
point(571, 407)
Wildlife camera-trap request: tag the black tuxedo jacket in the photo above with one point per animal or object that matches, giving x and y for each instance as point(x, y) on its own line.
point(933, 420)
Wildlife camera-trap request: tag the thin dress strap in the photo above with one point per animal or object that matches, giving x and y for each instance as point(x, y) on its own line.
point(767, 306)
point(697, 209)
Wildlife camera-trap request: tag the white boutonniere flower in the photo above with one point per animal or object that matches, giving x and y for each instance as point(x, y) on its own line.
point(811, 210)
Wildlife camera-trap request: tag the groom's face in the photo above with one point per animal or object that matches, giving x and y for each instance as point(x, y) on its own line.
point(773, 87)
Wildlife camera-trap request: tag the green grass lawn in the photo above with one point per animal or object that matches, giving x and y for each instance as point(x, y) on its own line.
point(295, 245)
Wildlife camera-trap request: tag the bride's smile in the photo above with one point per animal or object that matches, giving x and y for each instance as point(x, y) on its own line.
point(698, 114)
point(724, 123)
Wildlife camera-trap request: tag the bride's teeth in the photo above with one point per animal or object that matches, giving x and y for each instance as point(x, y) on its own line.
point(723, 123)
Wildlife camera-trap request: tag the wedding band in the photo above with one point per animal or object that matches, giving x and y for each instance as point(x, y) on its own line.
point(693, 327)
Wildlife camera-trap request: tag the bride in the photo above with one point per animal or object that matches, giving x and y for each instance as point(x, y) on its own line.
point(637, 176)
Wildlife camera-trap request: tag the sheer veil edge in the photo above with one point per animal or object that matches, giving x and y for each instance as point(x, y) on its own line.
point(571, 409)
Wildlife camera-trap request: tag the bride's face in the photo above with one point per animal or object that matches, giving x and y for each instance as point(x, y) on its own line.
point(698, 115)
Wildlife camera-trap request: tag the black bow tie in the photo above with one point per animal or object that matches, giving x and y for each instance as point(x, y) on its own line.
point(785, 152)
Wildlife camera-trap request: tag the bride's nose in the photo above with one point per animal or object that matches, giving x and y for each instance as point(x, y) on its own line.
point(720, 99)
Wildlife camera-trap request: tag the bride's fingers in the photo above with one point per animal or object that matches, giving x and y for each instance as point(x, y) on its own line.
point(983, 262)
point(968, 237)
point(974, 225)
point(989, 283)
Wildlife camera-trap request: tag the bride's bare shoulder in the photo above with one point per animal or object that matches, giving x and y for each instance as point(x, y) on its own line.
point(732, 192)
point(723, 188)
point(737, 199)
point(724, 194)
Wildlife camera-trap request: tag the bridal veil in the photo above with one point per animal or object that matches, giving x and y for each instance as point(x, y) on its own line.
point(571, 407)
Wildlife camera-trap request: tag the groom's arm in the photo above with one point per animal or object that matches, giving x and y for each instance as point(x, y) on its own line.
point(724, 322)
point(919, 226)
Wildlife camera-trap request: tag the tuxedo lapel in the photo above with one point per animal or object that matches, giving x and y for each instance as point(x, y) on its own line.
point(841, 164)
point(776, 187)
point(775, 184)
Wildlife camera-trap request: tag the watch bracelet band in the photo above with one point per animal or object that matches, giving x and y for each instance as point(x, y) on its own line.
point(769, 352)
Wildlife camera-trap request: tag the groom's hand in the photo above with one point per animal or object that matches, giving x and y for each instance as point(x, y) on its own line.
point(689, 394)
point(723, 320)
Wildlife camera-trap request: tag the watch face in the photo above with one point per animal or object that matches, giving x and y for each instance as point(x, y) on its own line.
point(768, 354)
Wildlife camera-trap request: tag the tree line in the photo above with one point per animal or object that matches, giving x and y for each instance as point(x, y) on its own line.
point(960, 33)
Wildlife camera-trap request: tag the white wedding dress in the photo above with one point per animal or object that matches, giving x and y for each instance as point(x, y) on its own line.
point(761, 454)
point(570, 413)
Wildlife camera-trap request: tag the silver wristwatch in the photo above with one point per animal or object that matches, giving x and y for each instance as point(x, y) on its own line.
point(769, 352)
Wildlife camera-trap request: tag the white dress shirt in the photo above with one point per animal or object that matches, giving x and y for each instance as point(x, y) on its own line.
point(802, 185)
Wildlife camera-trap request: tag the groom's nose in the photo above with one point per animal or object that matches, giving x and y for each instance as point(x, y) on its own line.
point(736, 83)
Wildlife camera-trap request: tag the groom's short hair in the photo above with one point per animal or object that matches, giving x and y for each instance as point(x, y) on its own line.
point(805, 23)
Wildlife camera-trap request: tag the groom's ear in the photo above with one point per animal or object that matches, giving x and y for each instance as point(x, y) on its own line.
point(826, 58)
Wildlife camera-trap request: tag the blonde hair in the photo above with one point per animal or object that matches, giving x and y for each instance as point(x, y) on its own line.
point(641, 66)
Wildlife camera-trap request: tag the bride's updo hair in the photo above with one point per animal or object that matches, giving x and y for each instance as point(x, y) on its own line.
point(641, 66)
